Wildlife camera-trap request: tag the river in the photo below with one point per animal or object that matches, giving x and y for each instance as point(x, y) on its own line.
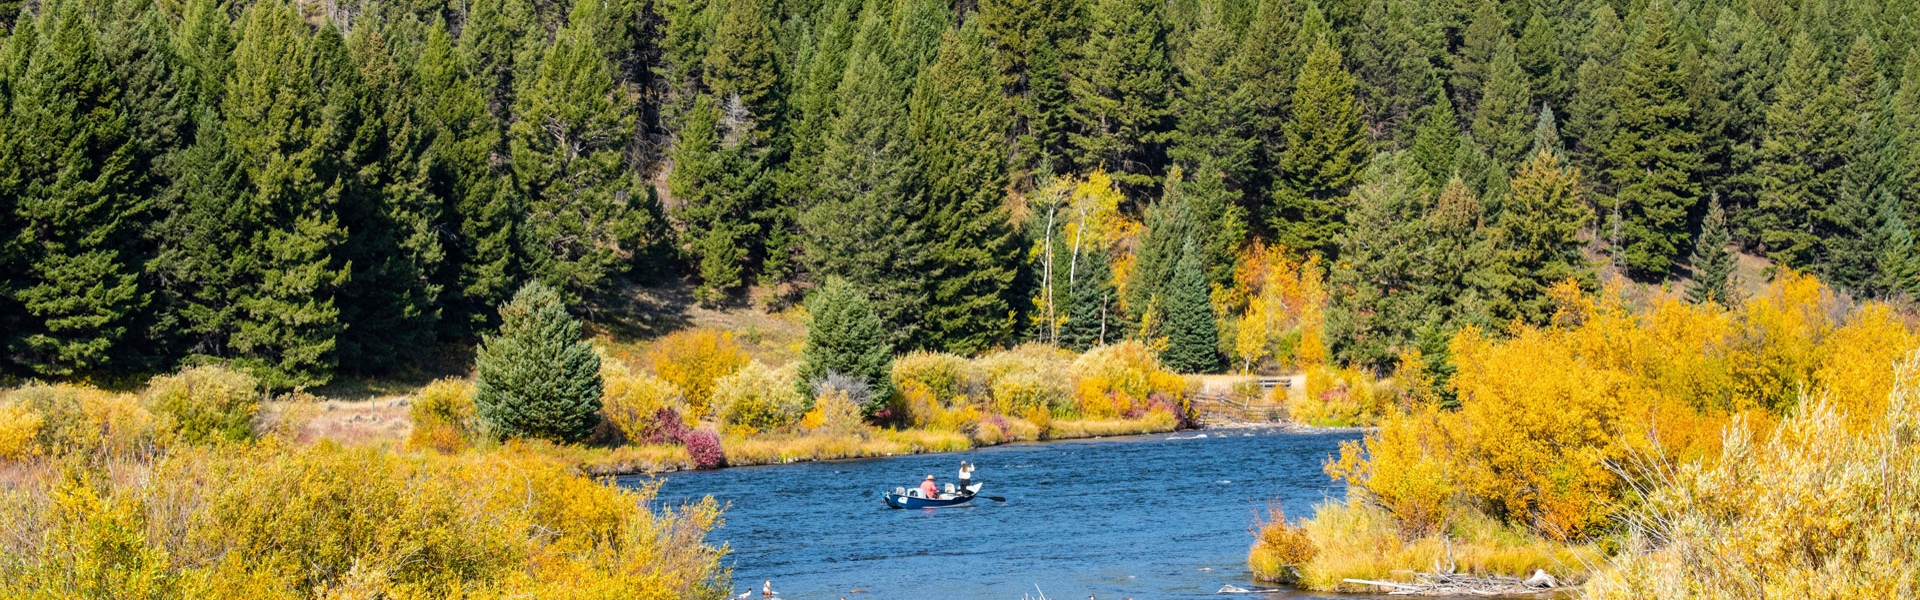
point(1157, 516)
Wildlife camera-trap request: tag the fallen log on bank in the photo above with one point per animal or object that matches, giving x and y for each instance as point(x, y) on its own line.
point(1456, 584)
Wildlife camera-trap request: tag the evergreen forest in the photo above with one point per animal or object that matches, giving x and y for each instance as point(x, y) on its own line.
point(317, 189)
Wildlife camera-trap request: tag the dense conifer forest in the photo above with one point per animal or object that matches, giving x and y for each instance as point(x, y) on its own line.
point(326, 188)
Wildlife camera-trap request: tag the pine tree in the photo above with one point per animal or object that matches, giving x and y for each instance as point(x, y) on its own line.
point(845, 336)
point(713, 217)
point(1541, 54)
point(1472, 63)
point(1169, 226)
point(1120, 89)
point(1502, 123)
point(1464, 280)
point(1033, 41)
point(1539, 234)
point(390, 303)
point(1654, 156)
point(75, 201)
point(1326, 149)
point(286, 320)
point(1210, 202)
point(1592, 112)
point(537, 378)
point(1211, 104)
point(586, 212)
point(1436, 145)
point(1747, 61)
point(1850, 225)
point(204, 40)
point(1712, 261)
point(1092, 309)
point(1899, 267)
point(478, 208)
point(1265, 66)
point(1904, 117)
point(960, 134)
point(1192, 338)
point(1377, 287)
point(867, 225)
point(1801, 158)
point(1390, 58)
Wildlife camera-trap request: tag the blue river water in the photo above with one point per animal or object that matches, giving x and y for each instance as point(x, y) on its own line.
point(1159, 516)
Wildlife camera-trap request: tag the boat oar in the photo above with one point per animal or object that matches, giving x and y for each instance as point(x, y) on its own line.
point(994, 498)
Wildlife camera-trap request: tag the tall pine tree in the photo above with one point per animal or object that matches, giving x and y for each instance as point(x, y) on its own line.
point(1653, 158)
point(1712, 261)
point(587, 213)
point(1326, 149)
point(867, 225)
point(1801, 158)
point(1192, 338)
point(1121, 87)
point(960, 136)
point(69, 167)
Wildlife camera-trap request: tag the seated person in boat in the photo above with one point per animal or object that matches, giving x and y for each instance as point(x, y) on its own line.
point(928, 489)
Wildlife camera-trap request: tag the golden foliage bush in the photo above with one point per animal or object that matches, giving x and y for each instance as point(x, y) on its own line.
point(946, 376)
point(1545, 411)
point(1026, 377)
point(71, 419)
point(328, 522)
point(758, 398)
point(444, 418)
point(1280, 548)
point(1334, 397)
point(834, 413)
point(1825, 506)
point(694, 360)
point(1114, 380)
point(203, 404)
point(631, 399)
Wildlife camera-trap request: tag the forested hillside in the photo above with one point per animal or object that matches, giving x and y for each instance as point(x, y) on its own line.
point(325, 188)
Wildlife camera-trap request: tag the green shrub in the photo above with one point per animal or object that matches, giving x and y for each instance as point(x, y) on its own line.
point(537, 378)
point(204, 404)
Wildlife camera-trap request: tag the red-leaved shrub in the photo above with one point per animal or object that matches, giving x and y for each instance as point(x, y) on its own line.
point(667, 428)
point(703, 445)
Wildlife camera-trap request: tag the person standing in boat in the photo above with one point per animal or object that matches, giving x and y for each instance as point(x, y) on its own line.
point(966, 477)
point(928, 489)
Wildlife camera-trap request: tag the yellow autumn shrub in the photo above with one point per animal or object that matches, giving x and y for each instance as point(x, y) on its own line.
point(443, 415)
point(631, 399)
point(1826, 505)
point(759, 398)
point(1113, 380)
point(268, 521)
point(693, 360)
point(205, 403)
point(945, 375)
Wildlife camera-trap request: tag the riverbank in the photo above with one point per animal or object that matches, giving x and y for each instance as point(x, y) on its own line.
point(772, 449)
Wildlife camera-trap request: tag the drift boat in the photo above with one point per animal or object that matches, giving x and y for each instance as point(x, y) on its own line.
point(903, 498)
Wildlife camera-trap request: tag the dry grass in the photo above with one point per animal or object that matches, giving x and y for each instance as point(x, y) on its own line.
point(1351, 540)
point(1153, 422)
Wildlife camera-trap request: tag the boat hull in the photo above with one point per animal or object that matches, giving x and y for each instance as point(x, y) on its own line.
point(900, 501)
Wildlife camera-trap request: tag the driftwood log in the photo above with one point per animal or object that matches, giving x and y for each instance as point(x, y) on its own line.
point(1456, 584)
